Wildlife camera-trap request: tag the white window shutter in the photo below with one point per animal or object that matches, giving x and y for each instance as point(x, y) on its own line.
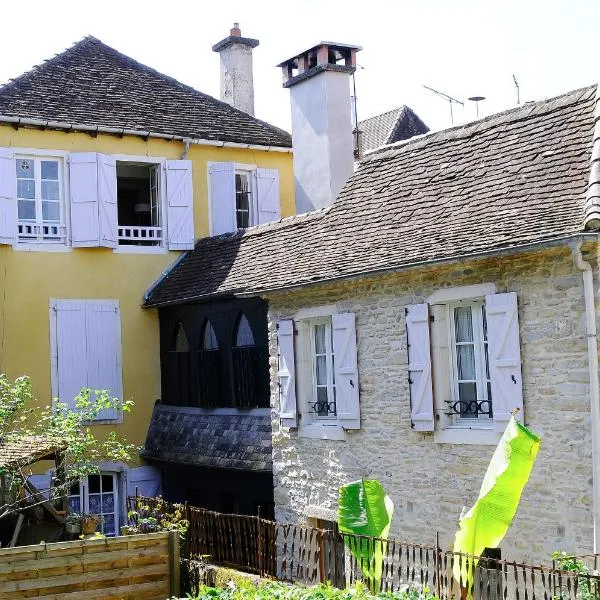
point(504, 357)
point(103, 327)
point(83, 185)
point(441, 361)
point(107, 201)
point(180, 205)
point(145, 480)
point(221, 183)
point(8, 197)
point(419, 367)
point(70, 348)
point(346, 370)
point(267, 192)
point(286, 374)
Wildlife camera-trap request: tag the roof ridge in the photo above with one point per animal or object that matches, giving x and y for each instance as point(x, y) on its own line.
point(466, 129)
point(379, 115)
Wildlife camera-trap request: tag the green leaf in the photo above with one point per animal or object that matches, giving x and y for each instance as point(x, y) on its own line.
point(365, 509)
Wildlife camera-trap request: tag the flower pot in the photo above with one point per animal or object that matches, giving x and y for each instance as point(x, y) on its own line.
point(73, 528)
point(89, 525)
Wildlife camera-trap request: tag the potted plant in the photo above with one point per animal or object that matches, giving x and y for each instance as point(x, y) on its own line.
point(89, 523)
point(73, 523)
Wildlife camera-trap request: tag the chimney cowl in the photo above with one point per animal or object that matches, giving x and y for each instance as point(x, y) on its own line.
point(235, 37)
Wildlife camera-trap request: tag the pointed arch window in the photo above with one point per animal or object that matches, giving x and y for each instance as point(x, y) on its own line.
point(179, 367)
point(209, 367)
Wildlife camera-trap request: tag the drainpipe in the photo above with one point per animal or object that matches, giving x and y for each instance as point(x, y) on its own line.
point(591, 334)
point(186, 149)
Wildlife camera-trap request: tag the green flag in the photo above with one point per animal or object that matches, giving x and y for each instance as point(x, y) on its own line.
point(487, 522)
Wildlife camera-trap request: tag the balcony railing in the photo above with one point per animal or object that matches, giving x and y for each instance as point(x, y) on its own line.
point(44, 232)
point(140, 235)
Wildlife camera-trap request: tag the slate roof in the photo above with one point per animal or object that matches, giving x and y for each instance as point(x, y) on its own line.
point(91, 84)
point(217, 439)
point(509, 180)
point(396, 125)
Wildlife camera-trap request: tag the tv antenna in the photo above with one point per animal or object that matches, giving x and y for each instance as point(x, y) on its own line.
point(477, 100)
point(450, 99)
point(517, 88)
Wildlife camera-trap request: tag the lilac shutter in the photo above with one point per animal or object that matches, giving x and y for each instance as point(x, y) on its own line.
point(267, 191)
point(221, 183)
point(83, 184)
point(504, 357)
point(286, 374)
point(419, 367)
point(70, 349)
point(107, 201)
point(8, 197)
point(103, 328)
point(146, 481)
point(180, 205)
point(346, 370)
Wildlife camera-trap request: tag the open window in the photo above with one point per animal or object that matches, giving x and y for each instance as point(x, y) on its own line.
point(209, 368)
point(138, 202)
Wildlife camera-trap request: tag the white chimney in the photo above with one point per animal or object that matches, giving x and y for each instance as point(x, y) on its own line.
point(318, 80)
point(237, 82)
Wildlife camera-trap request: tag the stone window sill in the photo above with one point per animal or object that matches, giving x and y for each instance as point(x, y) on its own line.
point(467, 435)
point(322, 431)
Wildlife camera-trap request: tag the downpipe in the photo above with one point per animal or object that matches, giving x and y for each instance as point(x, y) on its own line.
point(592, 343)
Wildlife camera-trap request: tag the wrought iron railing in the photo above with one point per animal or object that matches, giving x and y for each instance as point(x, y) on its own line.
point(297, 553)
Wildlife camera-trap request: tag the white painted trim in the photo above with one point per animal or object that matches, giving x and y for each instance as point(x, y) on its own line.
point(244, 167)
point(315, 312)
point(322, 431)
point(463, 435)
point(463, 292)
point(50, 247)
point(143, 250)
point(153, 160)
point(41, 152)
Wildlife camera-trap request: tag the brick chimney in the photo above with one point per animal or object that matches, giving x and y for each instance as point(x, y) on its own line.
point(237, 82)
point(319, 84)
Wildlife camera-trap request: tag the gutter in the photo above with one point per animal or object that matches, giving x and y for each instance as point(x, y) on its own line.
point(592, 342)
point(95, 129)
point(550, 243)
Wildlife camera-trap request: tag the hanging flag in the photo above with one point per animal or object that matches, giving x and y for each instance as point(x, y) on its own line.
point(487, 522)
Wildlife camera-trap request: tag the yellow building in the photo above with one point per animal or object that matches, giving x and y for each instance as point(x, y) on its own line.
point(109, 171)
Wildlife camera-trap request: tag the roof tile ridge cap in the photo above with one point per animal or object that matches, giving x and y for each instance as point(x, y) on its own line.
point(480, 124)
point(591, 220)
point(286, 221)
point(65, 51)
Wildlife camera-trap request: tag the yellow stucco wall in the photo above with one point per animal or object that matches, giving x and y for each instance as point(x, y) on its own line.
point(29, 279)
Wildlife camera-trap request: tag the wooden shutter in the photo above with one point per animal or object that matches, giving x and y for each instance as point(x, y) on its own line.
point(419, 367)
point(83, 185)
point(103, 328)
point(145, 480)
point(286, 374)
point(267, 192)
point(180, 205)
point(441, 363)
point(504, 357)
point(69, 347)
point(221, 182)
point(346, 370)
point(107, 201)
point(8, 197)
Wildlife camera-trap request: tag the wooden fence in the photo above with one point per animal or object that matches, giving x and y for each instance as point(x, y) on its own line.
point(126, 568)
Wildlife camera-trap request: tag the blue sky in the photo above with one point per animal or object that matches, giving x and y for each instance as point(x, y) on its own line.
point(461, 47)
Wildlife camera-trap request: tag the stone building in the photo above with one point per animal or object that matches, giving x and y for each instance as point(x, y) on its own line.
point(452, 281)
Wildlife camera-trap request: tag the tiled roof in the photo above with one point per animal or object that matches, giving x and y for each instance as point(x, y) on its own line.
point(393, 126)
point(512, 179)
point(220, 438)
point(91, 84)
point(26, 451)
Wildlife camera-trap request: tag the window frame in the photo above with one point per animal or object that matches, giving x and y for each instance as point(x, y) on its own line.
point(329, 362)
point(250, 172)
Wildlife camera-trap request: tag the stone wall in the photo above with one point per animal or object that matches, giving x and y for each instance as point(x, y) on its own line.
point(431, 482)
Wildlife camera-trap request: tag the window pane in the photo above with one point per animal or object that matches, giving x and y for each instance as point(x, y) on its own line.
point(94, 484)
point(50, 211)
point(107, 483)
point(465, 359)
point(50, 170)
point(108, 502)
point(322, 401)
point(74, 491)
point(244, 335)
point(320, 344)
point(50, 190)
point(484, 318)
point(321, 369)
point(109, 525)
point(468, 396)
point(25, 168)
point(487, 361)
point(75, 504)
point(209, 341)
point(463, 324)
point(26, 209)
point(95, 503)
point(26, 188)
point(242, 200)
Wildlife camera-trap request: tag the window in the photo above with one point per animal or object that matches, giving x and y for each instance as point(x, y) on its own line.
point(86, 349)
point(40, 208)
point(318, 362)
point(138, 203)
point(209, 372)
point(97, 494)
point(179, 367)
point(245, 211)
point(464, 368)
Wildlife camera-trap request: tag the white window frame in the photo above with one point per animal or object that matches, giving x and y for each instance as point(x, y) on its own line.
point(161, 248)
point(61, 156)
point(312, 425)
point(84, 491)
point(250, 172)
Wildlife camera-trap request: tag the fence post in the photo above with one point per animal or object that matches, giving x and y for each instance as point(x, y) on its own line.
point(438, 556)
point(260, 544)
point(174, 564)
